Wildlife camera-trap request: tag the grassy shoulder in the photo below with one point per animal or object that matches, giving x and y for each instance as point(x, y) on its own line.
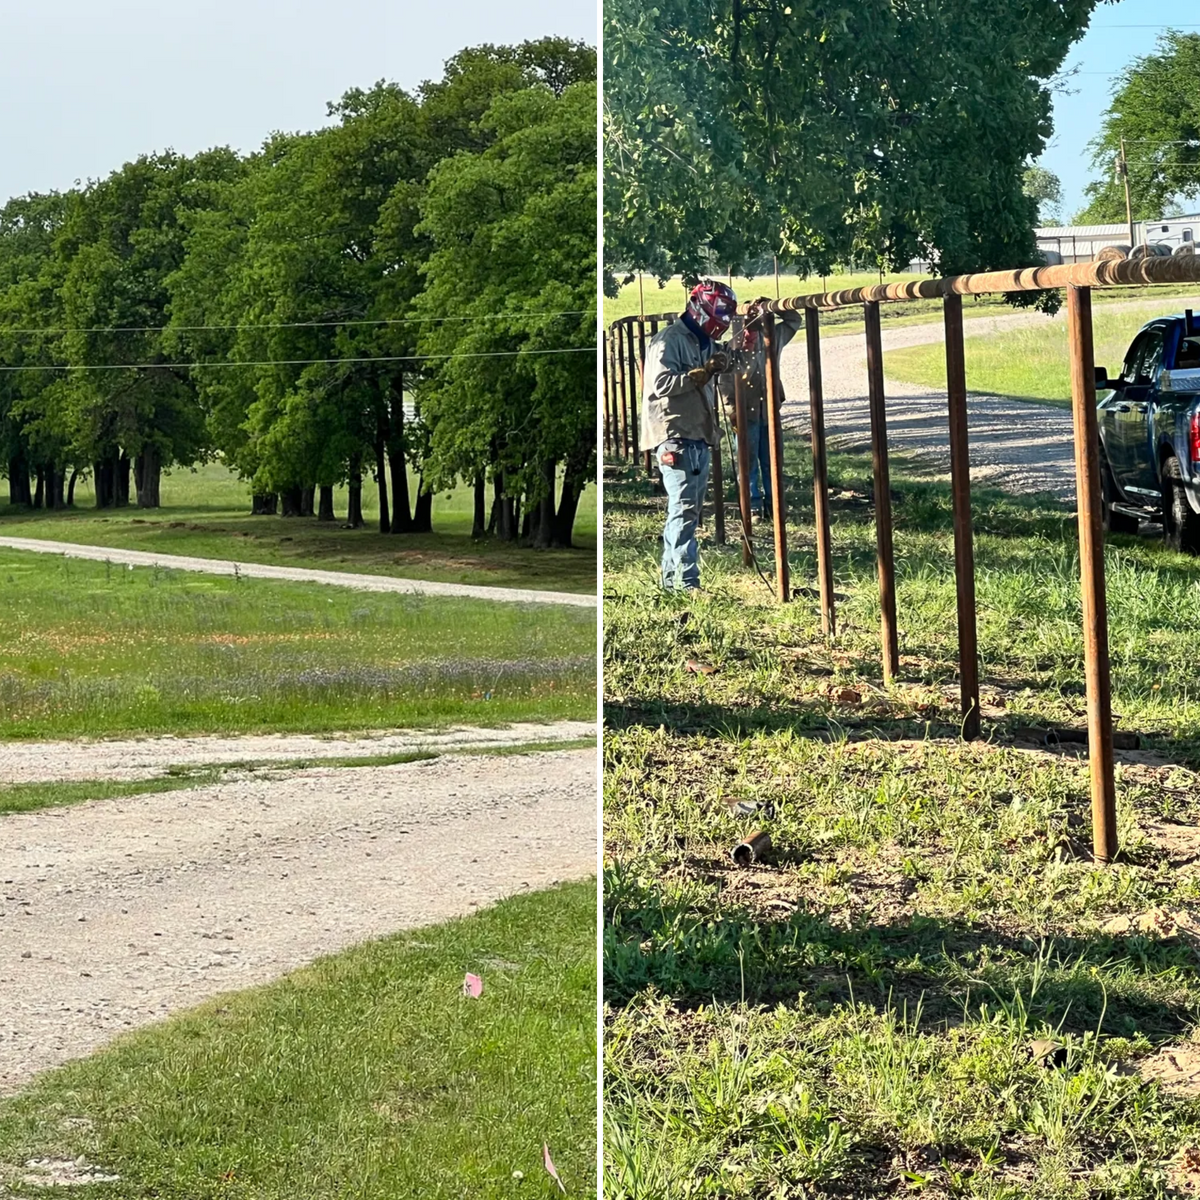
point(92, 649)
point(1030, 363)
point(206, 513)
point(927, 988)
point(366, 1075)
point(29, 797)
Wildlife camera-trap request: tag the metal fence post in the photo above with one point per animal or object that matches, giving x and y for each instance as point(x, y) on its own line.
point(718, 477)
point(642, 370)
point(605, 390)
point(960, 486)
point(743, 453)
point(775, 437)
point(1091, 570)
point(634, 393)
point(612, 397)
point(623, 388)
point(883, 495)
point(816, 411)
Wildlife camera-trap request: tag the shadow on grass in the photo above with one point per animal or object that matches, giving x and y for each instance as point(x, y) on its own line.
point(943, 969)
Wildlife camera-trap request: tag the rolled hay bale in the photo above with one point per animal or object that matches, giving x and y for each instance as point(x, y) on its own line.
point(1112, 254)
point(1188, 248)
point(1150, 250)
point(1053, 258)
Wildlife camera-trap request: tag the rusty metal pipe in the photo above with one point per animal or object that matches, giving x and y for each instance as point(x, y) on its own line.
point(752, 849)
point(1091, 570)
point(816, 411)
point(883, 496)
point(1122, 273)
point(635, 392)
point(775, 438)
point(642, 379)
point(743, 456)
point(960, 487)
point(623, 390)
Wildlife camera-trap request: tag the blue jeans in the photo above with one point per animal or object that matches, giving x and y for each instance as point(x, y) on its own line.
point(758, 446)
point(685, 481)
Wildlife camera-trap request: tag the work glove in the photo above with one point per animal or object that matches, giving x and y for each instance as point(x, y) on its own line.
point(713, 365)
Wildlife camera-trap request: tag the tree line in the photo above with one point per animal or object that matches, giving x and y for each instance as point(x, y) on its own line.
point(409, 289)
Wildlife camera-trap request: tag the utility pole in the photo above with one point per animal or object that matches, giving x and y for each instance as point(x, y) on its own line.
point(1123, 171)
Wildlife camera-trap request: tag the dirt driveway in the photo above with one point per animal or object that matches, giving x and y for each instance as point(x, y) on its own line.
point(117, 913)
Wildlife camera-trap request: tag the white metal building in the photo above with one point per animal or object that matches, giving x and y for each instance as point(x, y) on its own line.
point(1081, 243)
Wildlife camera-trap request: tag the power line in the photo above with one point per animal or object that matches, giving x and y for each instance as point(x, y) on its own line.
point(291, 362)
point(575, 312)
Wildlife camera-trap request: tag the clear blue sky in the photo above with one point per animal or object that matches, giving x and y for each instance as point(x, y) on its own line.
point(1106, 48)
point(86, 85)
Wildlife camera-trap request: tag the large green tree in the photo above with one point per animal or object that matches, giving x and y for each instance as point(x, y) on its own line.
point(514, 236)
point(876, 132)
point(1156, 111)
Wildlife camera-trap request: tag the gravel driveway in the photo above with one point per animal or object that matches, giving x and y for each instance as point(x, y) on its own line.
point(1014, 444)
point(348, 579)
point(117, 913)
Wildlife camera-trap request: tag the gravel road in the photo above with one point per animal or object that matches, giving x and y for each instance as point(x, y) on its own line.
point(116, 913)
point(1014, 445)
point(348, 579)
point(148, 758)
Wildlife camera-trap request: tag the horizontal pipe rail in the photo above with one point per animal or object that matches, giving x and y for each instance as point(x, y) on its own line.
point(1121, 273)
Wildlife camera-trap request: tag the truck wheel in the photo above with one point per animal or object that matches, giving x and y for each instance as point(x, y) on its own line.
point(1181, 526)
point(1114, 522)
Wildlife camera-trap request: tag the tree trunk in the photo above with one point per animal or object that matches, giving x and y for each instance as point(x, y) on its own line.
point(385, 524)
point(423, 514)
point(497, 500)
point(291, 500)
point(479, 522)
point(325, 504)
point(402, 521)
point(121, 485)
point(354, 517)
point(102, 475)
point(147, 472)
point(18, 480)
point(307, 495)
point(506, 524)
point(526, 524)
point(264, 504)
point(51, 494)
point(41, 488)
point(71, 488)
point(568, 507)
point(541, 516)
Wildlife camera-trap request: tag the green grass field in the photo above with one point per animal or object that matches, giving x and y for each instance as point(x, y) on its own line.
point(366, 1075)
point(206, 513)
point(860, 1015)
point(93, 649)
point(1031, 363)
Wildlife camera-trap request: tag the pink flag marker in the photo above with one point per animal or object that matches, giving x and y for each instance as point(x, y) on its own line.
point(472, 986)
point(550, 1167)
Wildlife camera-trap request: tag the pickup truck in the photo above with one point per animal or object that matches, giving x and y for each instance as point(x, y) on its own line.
point(1149, 421)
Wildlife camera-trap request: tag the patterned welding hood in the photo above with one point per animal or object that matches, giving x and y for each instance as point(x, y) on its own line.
point(712, 306)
